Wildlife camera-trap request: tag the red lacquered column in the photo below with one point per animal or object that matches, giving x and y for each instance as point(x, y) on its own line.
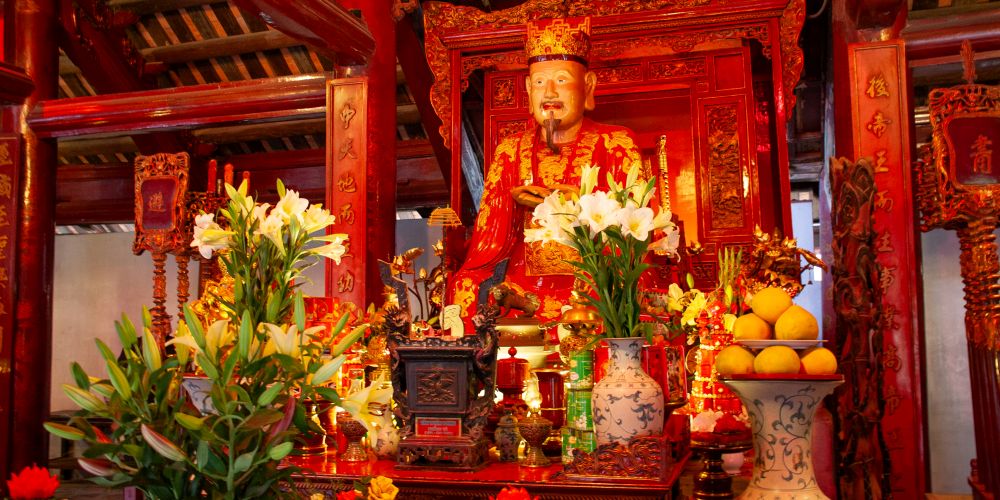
point(381, 171)
point(36, 51)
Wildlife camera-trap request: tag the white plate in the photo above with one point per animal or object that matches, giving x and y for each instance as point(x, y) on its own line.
point(794, 344)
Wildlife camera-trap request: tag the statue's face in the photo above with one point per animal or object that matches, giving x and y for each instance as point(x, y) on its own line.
point(563, 89)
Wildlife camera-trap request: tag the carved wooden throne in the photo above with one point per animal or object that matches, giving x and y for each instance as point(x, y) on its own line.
point(715, 77)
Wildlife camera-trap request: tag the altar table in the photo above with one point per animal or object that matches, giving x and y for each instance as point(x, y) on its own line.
point(323, 474)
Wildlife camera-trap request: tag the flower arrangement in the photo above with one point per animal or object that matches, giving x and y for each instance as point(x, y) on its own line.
point(261, 361)
point(611, 231)
point(33, 482)
point(265, 248)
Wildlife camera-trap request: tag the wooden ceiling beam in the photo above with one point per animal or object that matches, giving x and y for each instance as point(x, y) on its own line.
point(219, 47)
point(110, 63)
point(933, 37)
point(323, 24)
point(72, 148)
point(102, 193)
point(15, 84)
point(266, 99)
point(144, 7)
point(413, 64)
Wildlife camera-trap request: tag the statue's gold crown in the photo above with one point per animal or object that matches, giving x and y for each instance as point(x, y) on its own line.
point(565, 39)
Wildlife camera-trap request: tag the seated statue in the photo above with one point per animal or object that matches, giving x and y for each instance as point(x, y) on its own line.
point(526, 167)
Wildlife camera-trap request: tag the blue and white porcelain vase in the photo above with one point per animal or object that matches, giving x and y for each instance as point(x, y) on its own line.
point(781, 415)
point(626, 402)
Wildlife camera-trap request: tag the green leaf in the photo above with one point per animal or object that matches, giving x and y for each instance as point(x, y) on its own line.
point(151, 351)
point(206, 366)
point(201, 456)
point(329, 395)
point(190, 422)
point(119, 380)
point(64, 431)
point(280, 451)
point(243, 462)
point(79, 376)
point(262, 418)
point(267, 397)
point(126, 332)
point(227, 369)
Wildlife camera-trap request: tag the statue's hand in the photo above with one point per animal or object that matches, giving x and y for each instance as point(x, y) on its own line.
point(530, 196)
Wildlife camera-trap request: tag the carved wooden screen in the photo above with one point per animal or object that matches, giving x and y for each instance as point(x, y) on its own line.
point(716, 77)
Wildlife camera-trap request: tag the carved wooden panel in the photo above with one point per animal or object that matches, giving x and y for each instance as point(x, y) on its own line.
point(879, 132)
point(347, 158)
point(723, 179)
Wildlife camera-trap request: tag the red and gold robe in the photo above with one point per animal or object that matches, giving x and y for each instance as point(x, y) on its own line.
point(522, 160)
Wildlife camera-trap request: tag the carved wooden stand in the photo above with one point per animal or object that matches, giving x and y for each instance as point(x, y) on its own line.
point(643, 459)
point(959, 188)
point(443, 391)
point(161, 183)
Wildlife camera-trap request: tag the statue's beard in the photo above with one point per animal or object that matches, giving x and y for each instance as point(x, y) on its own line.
point(550, 131)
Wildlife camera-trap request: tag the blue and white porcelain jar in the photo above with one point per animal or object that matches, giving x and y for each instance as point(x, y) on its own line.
point(627, 402)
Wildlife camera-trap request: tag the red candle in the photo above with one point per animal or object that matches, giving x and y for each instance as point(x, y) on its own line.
point(211, 176)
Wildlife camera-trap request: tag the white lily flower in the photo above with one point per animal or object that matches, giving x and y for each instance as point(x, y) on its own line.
point(316, 218)
point(333, 250)
point(239, 197)
point(694, 309)
point(637, 222)
point(675, 298)
point(667, 245)
point(209, 236)
point(284, 341)
point(357, 404)
point(598, 211)
point(541, 234)
point(291, 206)
point(259, 212)
point(662, 220)
point(218, 334)
point(270, 228)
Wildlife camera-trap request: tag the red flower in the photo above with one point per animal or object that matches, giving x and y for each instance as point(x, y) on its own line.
point(513, 493)
point(33, 482)
point(347, 495)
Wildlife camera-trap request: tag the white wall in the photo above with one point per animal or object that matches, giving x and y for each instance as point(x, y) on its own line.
point(951, 440)
point(811, 296)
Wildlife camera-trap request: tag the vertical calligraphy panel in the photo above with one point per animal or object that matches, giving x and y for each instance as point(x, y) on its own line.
point(346, 158)
point(10, 152)
point(880, 114)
